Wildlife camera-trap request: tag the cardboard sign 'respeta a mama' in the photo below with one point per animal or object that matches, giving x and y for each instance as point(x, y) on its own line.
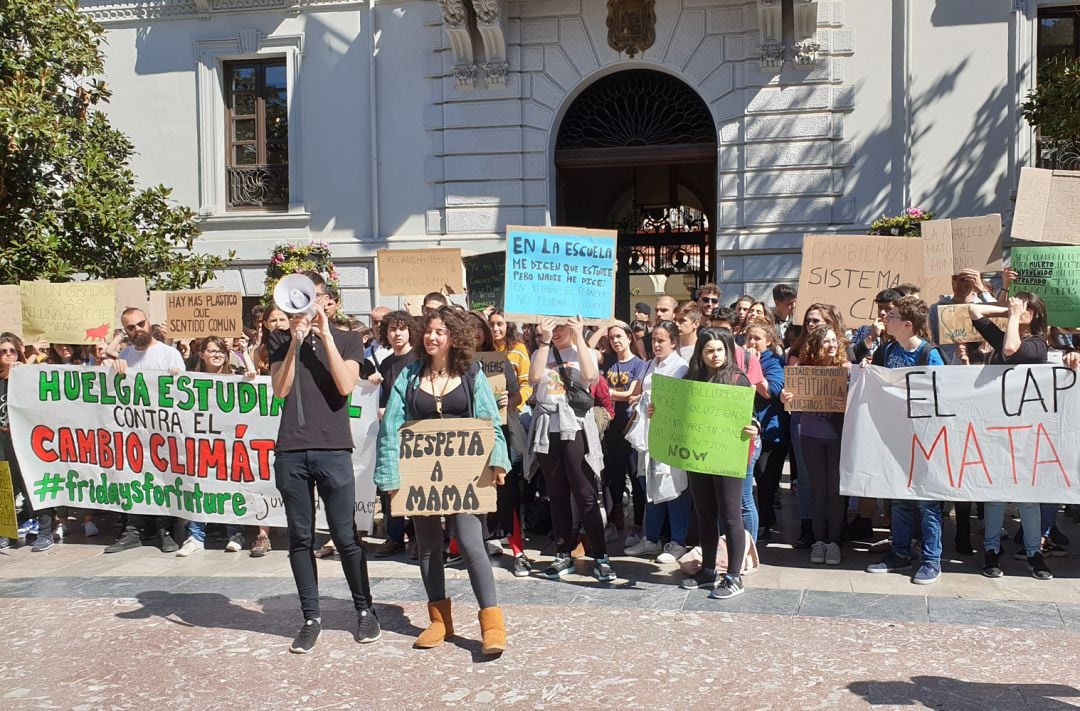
point(444, 468)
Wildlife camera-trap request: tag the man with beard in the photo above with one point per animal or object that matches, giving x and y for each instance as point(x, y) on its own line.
point(144, 353)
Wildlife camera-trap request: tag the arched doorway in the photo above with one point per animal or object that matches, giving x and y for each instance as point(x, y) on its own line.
point(636, 152)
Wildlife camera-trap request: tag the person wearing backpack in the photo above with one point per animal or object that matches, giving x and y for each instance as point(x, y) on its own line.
point(911, 347)
point(564, 442)
point(445, 383)
point(1022, 342)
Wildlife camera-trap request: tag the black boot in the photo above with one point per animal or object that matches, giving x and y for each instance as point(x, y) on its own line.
point(806, 536)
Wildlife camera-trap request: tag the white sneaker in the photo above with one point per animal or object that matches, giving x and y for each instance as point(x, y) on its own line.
point(832, 554)
point(632, 539)
point(672, 552)
point(235, 544)
point(611, 534)
point(645, 548)
point(190, 546)
point(817, 553)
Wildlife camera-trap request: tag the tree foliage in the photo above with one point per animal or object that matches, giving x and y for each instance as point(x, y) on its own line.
point(1053, 106)
point(69, 205)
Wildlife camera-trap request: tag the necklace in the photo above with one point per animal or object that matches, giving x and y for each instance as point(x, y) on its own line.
point(438, 396)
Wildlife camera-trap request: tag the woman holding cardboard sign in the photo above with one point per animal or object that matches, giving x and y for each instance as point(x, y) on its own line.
point(445, 383)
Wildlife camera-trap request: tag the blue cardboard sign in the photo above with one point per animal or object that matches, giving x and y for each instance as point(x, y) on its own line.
point(560, 272)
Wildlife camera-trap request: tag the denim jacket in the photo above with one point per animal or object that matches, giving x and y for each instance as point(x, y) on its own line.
point(387, 477)
point(770, 412)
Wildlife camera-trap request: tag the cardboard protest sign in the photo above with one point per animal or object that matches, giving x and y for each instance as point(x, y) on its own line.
point(9, 521)
point(485, 276)
point(194, 445)
point(699, 426)
point(849, 271)
point(131, 293)
point(954, 325)
point(1047, 206)
point(816, 388)
point(76, 312)
point(995, 433)
point(10, 309)
point(963, 243)
point(1054, 274)
point(560, 272)
point(403, 272)
point(494, 364)
point(159, 311)
point(197, 314)
point(444, 468)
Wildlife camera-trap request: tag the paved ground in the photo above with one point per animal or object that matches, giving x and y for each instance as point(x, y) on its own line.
point(87, 630)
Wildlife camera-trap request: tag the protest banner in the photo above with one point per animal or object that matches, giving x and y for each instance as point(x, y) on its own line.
point(816, 388)
point(494, 365)
point(197, 314)
point(10, 309)
point(9, 517)
point(485, 277)
point(444, 468)
point(962, 243)
point(158, 313)
point(1047, 206)
point(76, 312)
point(404, 272)
point(193, 445)
point(699, 426)
point(131, 293)
point(560, 272)
point(1054, 274)
point(849, 271)
point(954, 325)
point(995, 433)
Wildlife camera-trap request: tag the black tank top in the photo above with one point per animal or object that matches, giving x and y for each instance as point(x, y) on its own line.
point(454, 404)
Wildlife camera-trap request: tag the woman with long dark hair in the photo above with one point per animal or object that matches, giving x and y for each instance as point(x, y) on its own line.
point(445, 383)
point(718, 499)
point(13, 355)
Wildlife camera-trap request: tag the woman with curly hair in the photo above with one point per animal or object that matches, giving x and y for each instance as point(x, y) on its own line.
point(445, 383)
point(818, 439)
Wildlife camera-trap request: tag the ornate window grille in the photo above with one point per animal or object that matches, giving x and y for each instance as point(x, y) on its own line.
point(664, 240)
point(257, 135)
point(638, 107)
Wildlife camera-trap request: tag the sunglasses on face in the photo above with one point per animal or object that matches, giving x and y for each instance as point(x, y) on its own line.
point(8, 351)
point(709, 300)
point(135, 326)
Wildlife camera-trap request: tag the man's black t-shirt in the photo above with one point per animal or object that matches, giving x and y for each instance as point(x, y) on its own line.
point(390, 368)
point(326, 411)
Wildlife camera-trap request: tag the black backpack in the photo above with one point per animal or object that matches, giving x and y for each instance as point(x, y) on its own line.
point(925, 349)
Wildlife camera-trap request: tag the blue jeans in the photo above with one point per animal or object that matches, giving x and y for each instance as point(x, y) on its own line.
point(805, 500)
point(197, 530)
point(678, 510)
point(1030, 519)
point(297, 476)
point(395, 525)
point(903, 525)
point(1049, 517)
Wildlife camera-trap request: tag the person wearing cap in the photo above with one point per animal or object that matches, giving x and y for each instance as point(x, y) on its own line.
point(642, 311)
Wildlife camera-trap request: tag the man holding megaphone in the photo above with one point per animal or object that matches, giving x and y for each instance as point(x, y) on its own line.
point(314, 368)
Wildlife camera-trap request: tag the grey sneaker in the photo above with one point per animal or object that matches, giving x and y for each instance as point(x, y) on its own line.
point(368, 629)
point(522, 567)
point(671, 553)
point(42, 543)
point(128, 539)
point(704, 578)
point(891, 563)
point(729, 587)
point(559, 567)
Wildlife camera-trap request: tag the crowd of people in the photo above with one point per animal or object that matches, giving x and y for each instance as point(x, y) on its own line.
point(572, 459)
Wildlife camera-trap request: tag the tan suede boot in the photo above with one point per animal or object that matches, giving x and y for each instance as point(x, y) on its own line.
point(493, 630)
point(441, 627)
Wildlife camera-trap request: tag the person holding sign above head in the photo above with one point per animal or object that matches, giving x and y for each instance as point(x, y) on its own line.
point(445, 384)
point(818, 439)
point(718, 499)
point(665, 485)
point(1022, 342)
point(565, 441)
point(905, 322)
point(314, 369)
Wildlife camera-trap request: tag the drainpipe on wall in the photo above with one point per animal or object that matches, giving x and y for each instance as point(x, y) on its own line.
point(373, 120)
point(908, 113)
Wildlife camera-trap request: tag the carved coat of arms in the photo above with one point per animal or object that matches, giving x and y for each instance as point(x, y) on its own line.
point(631, 25)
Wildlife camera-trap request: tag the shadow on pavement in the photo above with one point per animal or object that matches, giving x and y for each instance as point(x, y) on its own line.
point(944, 693)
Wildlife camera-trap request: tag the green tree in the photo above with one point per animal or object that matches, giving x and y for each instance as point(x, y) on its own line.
point(1051, 109)
point(69, 205)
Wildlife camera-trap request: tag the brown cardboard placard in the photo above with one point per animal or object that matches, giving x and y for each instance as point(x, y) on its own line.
point(492, 364)
point(962, 243)
point(443, 466)
point(10, 309)
point(197, 314)
point(405, 272)
point(131, 293)
point(816, 388)
point(1047, 206)
point(158, 305)
point(75, 312)
point(937, 240)
point(954, 325)
point(849, 271)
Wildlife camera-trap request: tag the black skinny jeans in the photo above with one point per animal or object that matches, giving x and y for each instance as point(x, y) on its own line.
point(297, 476)
point(767, 471)
point(716, 499)
point(566, 474)
point(828, 508)
point(618, 466)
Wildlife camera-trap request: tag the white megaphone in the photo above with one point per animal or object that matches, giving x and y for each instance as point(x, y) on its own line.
point(295, 295)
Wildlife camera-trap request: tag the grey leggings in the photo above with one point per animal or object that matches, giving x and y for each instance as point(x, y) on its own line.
point(822, 460)
point(468, 530)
